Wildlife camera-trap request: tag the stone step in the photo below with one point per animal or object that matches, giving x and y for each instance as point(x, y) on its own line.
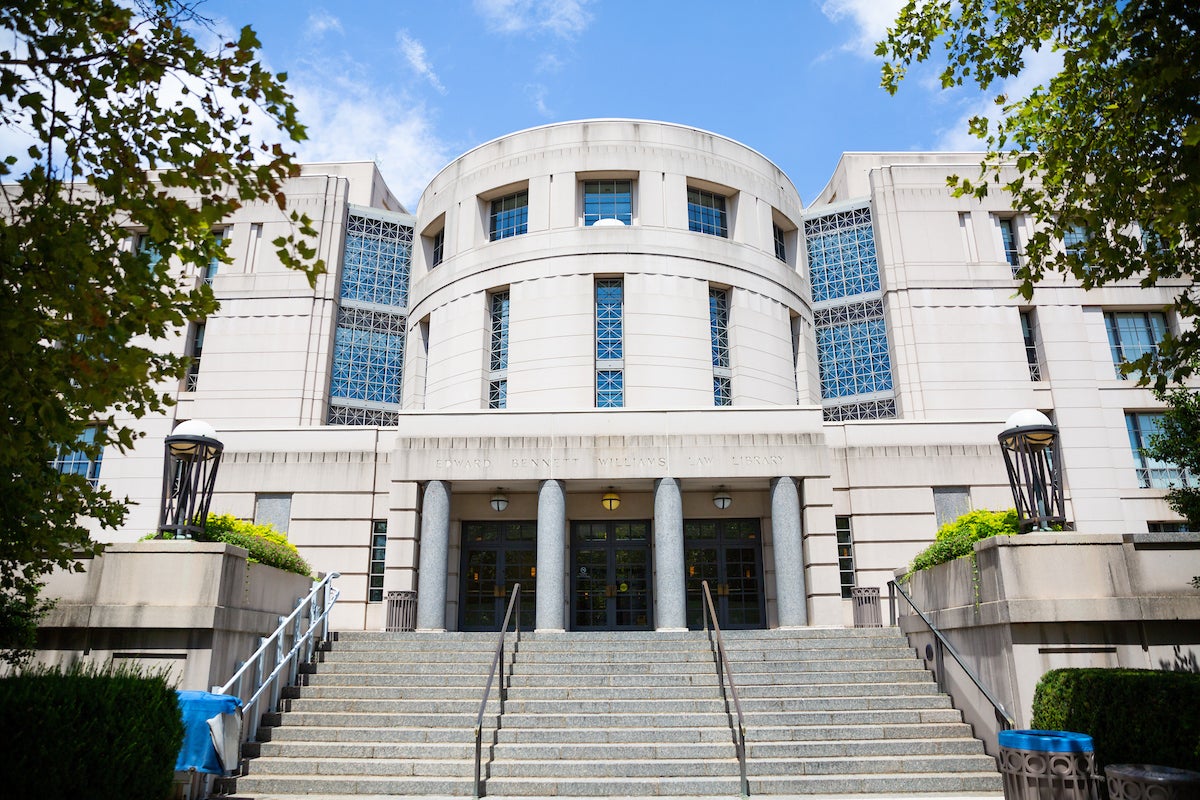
point(260, 786)
point(614, 787)
point(364, 767)
point(898, 783)
point(844, 786)
point(890, 716)
point(634, 667)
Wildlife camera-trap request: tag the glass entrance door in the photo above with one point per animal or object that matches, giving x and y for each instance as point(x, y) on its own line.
point(495, 556)
point(728, 554)
point(610, 576)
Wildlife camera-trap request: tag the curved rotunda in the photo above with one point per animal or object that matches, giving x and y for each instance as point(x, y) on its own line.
point(613, 264)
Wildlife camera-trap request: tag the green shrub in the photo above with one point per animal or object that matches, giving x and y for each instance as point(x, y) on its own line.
point(1134, 716)
point(266, 545)
point(100, 733)
point(957, 539)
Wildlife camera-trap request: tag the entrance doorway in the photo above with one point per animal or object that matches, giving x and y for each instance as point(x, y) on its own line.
point(728, 554)
point(610, 576)
point(495, 556)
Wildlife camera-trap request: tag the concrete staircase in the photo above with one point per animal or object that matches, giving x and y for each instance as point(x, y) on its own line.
point(828, 712)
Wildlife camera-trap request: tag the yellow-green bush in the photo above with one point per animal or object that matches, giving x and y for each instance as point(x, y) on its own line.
point(957, 539)
point(266, 545)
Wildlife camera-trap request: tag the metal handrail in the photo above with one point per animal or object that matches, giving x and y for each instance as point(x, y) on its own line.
point(739, 744)
point(497, 660)
point(316, 610)
point(1002, 716)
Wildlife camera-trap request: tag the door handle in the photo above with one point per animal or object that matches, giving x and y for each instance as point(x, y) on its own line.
point(722, 590)
point(610, 590)
point(497, 590)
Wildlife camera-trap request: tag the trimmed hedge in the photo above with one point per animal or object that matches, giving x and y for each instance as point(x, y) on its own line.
point(266, 545)
point(94, 732)
point(1134, 716)
point(957, 539)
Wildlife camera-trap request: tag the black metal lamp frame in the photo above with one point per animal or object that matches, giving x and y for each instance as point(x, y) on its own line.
point(1034, 462)
point(189, 473)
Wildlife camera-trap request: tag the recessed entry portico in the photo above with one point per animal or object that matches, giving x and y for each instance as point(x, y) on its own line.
point(588, 563)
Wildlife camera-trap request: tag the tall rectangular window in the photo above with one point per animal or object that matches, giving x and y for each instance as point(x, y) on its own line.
point(214, 263)
point(195, 350)
point(780, 242)
point(607, 200)
point(368, 345)
point(439, 244)
point(853, 349)
point(1152, 473)
point(845, 545)
point(498, 351)
point(706, 213)
point(1075, 240)
point(146, 246)
point(509, 215)
point(1132, 334)
point(718, 323)
point(1008, 238)
point(610, 350)
point(1029, 332)
point(378, 561)
point(78, 460)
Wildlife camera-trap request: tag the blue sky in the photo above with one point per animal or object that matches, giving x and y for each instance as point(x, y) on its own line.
point(414, 83)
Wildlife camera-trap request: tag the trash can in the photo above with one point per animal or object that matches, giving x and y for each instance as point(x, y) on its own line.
point(1151, 782)
point(867, 613)
point(401, 611)
point(1047, 765)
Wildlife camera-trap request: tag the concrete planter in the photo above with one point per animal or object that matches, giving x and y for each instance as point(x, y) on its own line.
point(1044, 601)
point(193, 608)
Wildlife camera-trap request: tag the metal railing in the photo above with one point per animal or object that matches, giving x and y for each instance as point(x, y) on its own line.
point(725, 675)
point(1004, 719)
point(284, 664)
point(497, 661)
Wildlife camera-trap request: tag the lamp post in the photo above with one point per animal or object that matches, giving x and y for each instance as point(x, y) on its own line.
point(192, 455)
point(1033, 459)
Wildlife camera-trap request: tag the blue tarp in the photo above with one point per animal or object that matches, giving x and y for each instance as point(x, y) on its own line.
point(198, 751)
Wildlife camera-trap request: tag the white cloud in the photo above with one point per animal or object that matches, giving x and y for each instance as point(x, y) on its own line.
point(537, 92)
point(414, 52)
point(1040, 67)
point(566, 18)
point(871, 18)
point(350, 119)
point(321, 22)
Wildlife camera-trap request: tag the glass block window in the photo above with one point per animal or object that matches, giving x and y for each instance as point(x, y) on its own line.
point(375, 261)
point(368, 344)
point(498, 394)
point(718, 322)
point(499, 326)
point(610, 350)
point(498, 350)
point(1008, 238)
point(706, 213)
point(439, 244)
point(609, 310)
point(841, 254)
point(509, 215)
point(852, 350)
point(607, 200)
point(353, 415)
point(195, 350)
point(722, 390)
point(1152, 473)
point(871, 409)
point(1132, 334)
point(368, 356)
point(780, 244)
point(214, 263)
point(610, 388)
point(77, 461)
point(845, 545)
point(1029, 333)
point(377, 562)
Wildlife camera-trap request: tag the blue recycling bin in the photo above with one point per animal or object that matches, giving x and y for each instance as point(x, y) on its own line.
point(1047, 765)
